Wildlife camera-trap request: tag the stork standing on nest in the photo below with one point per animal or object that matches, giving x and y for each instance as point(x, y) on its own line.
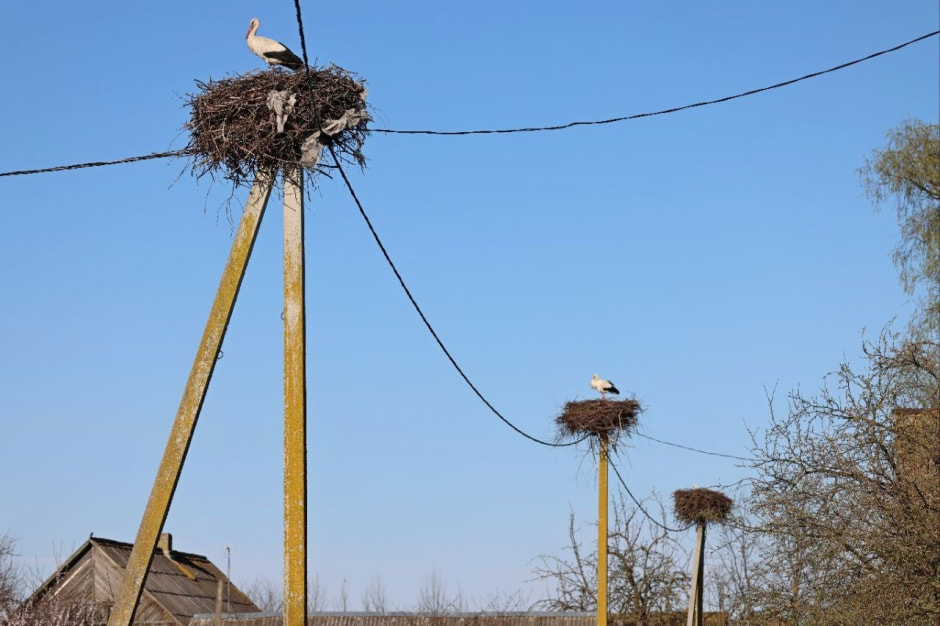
point(271, 52)
point(603, 386)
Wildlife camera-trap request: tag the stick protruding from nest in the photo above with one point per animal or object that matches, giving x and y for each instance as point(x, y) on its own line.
point(700, 505)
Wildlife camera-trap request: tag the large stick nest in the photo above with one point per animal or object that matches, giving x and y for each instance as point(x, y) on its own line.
point(234, 130)
point(699, 505)
point(598, 417)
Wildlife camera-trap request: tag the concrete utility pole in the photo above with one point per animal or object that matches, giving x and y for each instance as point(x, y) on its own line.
point(295, 404)
point(602, 499)
point(694, 616)
point(164, 486)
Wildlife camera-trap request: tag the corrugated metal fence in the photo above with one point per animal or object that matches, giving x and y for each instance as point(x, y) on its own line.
point(408, 620)
point(530, 619)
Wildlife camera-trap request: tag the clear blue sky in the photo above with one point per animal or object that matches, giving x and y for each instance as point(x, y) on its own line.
point(697, 259)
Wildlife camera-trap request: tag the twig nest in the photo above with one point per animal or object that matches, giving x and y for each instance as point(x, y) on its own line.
point(613, 418)
point(266, 120)
point(699, 505)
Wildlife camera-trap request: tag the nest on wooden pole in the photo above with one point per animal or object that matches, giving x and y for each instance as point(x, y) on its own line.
point(613, 418)
point(700, 505)
point(267, 120)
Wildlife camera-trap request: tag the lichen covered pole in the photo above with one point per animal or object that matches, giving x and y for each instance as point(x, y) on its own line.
point(694, 616)
point(161, 495)
point(608, 420)
point(295, 404)
point(602, 500)
point(698, 506)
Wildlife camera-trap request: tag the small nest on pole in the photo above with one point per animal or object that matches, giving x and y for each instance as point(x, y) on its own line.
point(613, 418)
point(266, 120)
point(699, 506)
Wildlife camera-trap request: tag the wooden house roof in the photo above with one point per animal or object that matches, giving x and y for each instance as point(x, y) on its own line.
point(178, 586)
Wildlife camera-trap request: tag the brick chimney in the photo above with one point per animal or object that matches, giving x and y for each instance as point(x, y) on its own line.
point(165, 543)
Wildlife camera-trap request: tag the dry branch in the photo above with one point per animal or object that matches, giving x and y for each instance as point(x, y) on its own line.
point(701, 505)
point(234, 130)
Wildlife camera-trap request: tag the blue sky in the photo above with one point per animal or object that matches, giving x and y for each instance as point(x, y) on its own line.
point(698, 260)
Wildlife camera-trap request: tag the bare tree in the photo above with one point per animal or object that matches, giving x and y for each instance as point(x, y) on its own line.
point(733, 573)
point(11, 575)
point(316, 594)
point(573, 577)
point(645, 573)
point(266, 595)
point(373, 597)
point(847, 495)
point(503, 603)
point(434, 598)
point(15, 610)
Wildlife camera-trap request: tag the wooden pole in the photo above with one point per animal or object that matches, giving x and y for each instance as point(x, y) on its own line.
point(164, 486)
point(694, 616)
point(602, 533)
point(295, 404)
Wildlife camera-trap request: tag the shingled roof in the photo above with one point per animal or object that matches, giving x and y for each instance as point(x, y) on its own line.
point(179, 584)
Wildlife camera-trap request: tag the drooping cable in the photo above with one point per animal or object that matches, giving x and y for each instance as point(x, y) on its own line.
point(427, 324)
point(401, 280)
point(640, 506)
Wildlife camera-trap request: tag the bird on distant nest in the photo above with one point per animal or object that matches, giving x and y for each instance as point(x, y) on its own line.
point(271, 52)
point(603, 386)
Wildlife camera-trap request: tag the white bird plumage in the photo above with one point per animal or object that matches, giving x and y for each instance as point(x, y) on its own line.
point(271, 52)
point(603, 386)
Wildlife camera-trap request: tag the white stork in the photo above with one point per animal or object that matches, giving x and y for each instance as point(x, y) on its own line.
point(271, 52)
point(603, 386)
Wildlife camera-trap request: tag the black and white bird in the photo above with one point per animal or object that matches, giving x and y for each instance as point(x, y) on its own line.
point(271, 52)
point(603, 386)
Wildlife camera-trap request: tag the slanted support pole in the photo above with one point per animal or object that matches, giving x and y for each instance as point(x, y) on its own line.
point(295, 404)
point(694, 616)
point(181, 435)
point(602, 531)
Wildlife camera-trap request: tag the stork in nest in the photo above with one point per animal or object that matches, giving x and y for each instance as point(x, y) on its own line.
point(271, 52)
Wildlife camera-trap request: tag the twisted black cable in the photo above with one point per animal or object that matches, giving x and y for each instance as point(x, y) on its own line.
point(640, 506)
point(511, 130)
point(679, 445)
point(663, 111)
point(77, 166)
point(427, 324)
point(401, 281)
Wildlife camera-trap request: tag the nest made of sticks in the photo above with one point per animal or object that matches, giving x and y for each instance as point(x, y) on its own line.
point(700, 505)
point(613, 418)
point(234, 130)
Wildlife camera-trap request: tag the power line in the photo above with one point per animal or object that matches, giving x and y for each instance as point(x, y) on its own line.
point(515, 130)
point(679, 445)
point(78, 166)
point(663, 111)
point(401, 281)
point(427, 324)
point(640, 506)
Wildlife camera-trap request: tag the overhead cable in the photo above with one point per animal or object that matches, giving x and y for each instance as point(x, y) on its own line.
point(679, 445)
point(532, 129)
point(640, 506)
point(524, 129)
point(401, 281)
